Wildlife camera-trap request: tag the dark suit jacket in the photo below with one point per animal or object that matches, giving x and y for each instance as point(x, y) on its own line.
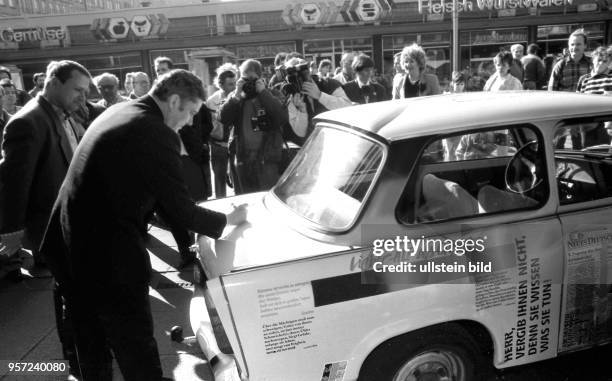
point(127, 164)
point(535, 72)
point(196, 135)
point(36, 157)
point(243, 139)
point(377, 92)
point(196, 165)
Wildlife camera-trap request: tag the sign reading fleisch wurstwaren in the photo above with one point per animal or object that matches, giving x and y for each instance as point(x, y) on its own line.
point(445, 6)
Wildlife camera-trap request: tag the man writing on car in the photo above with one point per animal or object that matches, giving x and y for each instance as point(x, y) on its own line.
point(127, 165)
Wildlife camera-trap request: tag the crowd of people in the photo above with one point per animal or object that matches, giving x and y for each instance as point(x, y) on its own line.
point(149, 152)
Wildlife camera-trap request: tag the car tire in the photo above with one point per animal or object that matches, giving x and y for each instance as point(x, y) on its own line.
point(446, 352)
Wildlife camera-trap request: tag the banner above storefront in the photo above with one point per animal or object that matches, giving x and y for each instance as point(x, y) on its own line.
point(139, 27)
point(336, 12)
point(34, 37)
point(446, 6)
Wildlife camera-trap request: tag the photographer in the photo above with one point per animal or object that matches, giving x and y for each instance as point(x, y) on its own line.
point(309, 96)
point(256, 143)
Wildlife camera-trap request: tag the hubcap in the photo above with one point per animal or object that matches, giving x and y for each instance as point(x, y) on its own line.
point(440, 365)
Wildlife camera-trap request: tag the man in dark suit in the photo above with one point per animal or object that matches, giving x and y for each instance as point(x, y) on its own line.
point(362, 89)
point(127, 164)
point(39, 141)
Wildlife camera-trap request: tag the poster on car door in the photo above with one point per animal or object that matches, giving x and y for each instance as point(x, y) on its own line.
point(587, 301)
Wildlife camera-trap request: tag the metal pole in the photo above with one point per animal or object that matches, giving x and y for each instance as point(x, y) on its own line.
point(455, 36)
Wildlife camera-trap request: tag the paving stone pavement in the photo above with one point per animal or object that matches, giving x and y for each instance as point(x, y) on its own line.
point(27, 321)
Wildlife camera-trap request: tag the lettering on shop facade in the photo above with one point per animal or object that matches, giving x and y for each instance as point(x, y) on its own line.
point(493, 37)
point(34, 37)
point(446, 6)
point(33, 34)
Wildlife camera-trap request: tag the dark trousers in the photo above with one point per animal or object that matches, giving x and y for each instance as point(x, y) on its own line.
point(65, 331)
point(254, 176)
point(115, 317)
point(197, 178)
point(219, 158)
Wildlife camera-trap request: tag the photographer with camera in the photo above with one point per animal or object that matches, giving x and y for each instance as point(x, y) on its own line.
point(309, 95)
point(256, 143)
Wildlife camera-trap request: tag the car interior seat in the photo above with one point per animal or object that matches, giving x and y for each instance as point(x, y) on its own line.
point(445, 199)
point(493, 200)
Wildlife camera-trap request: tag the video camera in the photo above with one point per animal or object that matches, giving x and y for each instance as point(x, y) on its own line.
point(294, 77)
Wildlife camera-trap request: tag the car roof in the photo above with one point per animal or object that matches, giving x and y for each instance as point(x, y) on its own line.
point(399, 119)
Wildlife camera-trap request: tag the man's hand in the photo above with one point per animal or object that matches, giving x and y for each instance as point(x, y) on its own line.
point(260, 85)
point(311, 89)
point(238, 215)
point(10, 243)
point(238, 92)
point(298, 102)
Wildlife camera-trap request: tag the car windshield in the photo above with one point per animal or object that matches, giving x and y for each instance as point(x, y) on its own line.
point(330, 177)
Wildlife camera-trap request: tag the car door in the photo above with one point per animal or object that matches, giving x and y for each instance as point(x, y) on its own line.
point(459, 190)
point(583, 166)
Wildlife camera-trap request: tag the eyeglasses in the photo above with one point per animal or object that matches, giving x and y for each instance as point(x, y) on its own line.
point(143, 82)
point(107, 87)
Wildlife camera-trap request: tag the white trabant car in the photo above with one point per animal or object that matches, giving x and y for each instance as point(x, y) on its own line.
point(420, 239)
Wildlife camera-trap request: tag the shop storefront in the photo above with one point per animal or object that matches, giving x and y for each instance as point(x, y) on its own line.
point(479, 47)
point(202, 37)
point(437, 47)
point(552, 39)
point(332, 49)
point(264, 53)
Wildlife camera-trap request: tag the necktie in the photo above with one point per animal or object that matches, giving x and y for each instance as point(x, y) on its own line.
point(366, 92)
point(70, 134)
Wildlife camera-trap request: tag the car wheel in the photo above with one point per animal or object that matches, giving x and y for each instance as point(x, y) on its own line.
point(445, 353)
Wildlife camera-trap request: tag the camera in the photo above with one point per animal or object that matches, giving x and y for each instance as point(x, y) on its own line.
point(260, 121)
point(294, 78)
point(249, 87)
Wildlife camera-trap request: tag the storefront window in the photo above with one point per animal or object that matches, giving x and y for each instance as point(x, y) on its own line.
point(178, 57)
point(552, 39)
point(118, 64)
point(202, 61)
point(479, 47)
point(264, 53)
point(317, 50)
point(437, 48)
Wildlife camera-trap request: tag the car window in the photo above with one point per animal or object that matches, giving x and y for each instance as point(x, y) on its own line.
point(328, 181)
point(480, 172)
point(583, 159)
point(478, 145)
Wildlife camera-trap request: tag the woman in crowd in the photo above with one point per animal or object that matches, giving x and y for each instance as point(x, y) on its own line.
point(415, 82)
point(325, 67)
point(502, 79)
